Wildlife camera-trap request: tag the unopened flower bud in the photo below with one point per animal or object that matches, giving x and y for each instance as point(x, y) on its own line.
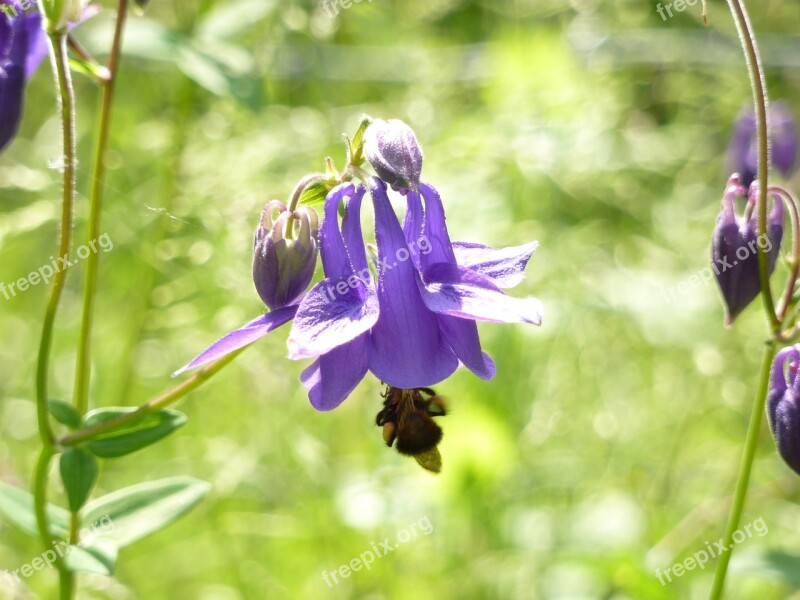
point(393, 151)
point(743, 149)
point(285, 253)
point(783, 405)
point(59, 14)
point(735, 247)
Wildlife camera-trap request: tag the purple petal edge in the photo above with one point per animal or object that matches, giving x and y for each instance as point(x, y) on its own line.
point(239, 338)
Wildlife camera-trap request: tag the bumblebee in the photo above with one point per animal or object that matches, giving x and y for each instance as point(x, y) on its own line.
point(407, 419)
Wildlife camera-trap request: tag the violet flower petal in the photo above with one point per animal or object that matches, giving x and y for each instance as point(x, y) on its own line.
point(342, 306)
point(37, 43)
point(504, 266)
point(462, 336)
point(239, 338)
point(353, 236)
point(460, 292)
point(407, 347)
point(450, 289)
point(330, 316)
point(12, 91)
point(331, 378)
point(413, 224)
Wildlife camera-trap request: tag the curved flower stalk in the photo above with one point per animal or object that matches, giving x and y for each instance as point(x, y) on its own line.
point(750, 151)
point(23, 46)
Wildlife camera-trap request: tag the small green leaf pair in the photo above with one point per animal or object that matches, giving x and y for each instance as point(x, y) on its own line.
point(115, 441)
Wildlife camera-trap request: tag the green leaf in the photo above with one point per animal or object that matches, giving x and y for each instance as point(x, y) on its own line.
point(356, 145)
point(134, 435)
point(144, 38)
point(140, 6)
point(65, 413)
point(313, 194)
point(88, 68)
point(139, 510)
point(773, 565)
point(96, 556)
point(16, 507)
point(222, 68)
point(79, 474)
point(232, 19)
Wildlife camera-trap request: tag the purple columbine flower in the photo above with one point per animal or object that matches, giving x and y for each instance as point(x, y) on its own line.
point(416, 324)
point(734, 248)
point(283, 266)
point(23, 45)
point(412, 325)
point(783, 408)
point(743, 148)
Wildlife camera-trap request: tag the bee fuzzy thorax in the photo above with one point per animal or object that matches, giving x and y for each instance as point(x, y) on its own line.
point(408, 425)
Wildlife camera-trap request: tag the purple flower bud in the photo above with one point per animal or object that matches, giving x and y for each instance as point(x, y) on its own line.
point(285, 253)
point(783, 409)
point(743, 148)
point(393, 151)
point(734, 248)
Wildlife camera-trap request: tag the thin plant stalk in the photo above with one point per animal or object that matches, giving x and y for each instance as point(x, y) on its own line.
point(757, 81)
point(60, 62)
point(83, 363)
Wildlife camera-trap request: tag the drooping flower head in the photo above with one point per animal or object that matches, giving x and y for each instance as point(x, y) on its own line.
point(23, 45)
point(783, 405)
point(408, 316)
point(743, 148)
point(735, 246)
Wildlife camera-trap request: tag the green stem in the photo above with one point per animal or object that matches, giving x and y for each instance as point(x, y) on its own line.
point(757, 82)
point(306, 181)
point(83, 364)
point(164, 400)
point(743, 481)
point(67, 109)
point(40, 494)
point(60, 60)
point(794, 270)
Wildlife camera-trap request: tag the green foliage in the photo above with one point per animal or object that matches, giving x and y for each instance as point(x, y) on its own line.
point(606, 445)
point(140, 510)
point(132, 436)
point(65, 413)
point(79, 473)
point(16, 508)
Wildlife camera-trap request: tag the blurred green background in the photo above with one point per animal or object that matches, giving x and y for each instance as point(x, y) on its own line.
point(608, 444)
